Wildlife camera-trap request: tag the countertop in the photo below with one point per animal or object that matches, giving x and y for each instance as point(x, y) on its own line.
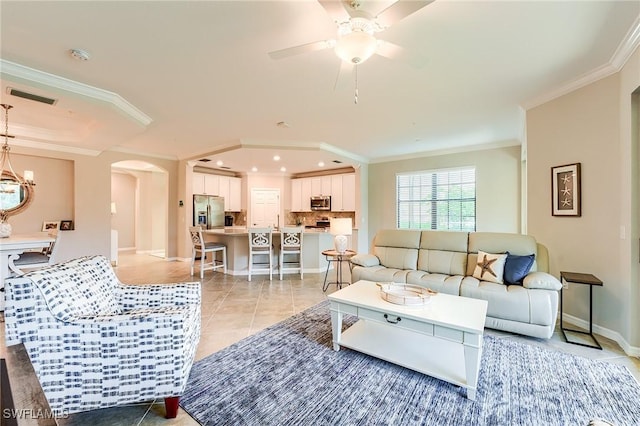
point(236, 230)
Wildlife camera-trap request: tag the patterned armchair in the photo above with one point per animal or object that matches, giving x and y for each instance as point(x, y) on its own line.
point(95, 342)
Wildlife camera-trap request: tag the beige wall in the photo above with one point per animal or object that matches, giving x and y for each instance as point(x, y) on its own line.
point(90, 202)
point(497, 187)
point(123, 194)
point(53, 195)
point(592, 126)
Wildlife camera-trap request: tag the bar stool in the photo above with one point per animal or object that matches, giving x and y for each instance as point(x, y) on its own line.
point(260, 245)
point(291, 244)
point(202, 247)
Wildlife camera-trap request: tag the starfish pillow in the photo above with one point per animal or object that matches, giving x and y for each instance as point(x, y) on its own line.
point(490, 267)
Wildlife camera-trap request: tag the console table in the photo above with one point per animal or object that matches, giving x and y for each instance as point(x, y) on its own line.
point(11, 248)
point(590, 280)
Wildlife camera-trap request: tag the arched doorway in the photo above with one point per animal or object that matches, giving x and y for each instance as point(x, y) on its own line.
point(139, 208)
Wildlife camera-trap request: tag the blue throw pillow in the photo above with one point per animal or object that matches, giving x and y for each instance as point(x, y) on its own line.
point(517, 267)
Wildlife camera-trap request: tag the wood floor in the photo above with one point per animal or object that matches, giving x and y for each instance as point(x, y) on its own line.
point(233, 308)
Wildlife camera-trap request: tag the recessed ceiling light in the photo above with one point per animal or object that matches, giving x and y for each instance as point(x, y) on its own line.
point(276, 158)
point(79, 54)
point(283, 169)
point(254, 169)
point(219, 163)
point(321, 164)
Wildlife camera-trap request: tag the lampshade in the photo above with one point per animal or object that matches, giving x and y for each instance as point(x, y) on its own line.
point(340, 227)
point(356, 46)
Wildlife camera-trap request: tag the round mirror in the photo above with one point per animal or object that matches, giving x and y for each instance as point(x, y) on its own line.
point(14, 197)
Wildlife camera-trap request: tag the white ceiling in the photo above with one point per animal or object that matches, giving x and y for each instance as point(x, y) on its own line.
point(190, 80)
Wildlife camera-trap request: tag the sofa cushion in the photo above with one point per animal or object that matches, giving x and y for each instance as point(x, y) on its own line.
point(397, 249)
point(517, 267)
point(379, 274)
point(443, 283)
point(396, 257)
point(442, 262)
point(397, 238)
point(78, 288)
point(490, 267)
point(509, 302)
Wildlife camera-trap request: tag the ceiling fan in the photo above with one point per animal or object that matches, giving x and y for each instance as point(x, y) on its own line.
point(356, 41)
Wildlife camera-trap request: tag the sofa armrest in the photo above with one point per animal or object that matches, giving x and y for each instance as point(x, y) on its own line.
point(541, 280)
point(132, 297)
point(363, 259)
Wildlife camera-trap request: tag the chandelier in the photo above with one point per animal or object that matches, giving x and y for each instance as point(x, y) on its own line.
point(12, 185)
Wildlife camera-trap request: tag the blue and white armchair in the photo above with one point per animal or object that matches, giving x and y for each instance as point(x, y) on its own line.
point(95, 342)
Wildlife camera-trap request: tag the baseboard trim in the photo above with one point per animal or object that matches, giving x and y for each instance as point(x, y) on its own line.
point(608, 333)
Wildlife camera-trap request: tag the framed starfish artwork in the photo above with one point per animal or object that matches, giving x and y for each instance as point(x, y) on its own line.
point(565, 190)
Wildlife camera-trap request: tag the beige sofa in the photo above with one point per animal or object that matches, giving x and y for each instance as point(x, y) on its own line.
point(446, 261)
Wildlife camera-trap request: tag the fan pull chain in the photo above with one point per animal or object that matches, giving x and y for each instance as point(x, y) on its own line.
point(356, 92)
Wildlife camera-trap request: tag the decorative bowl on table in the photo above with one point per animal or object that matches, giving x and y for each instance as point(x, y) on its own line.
point(405, 294)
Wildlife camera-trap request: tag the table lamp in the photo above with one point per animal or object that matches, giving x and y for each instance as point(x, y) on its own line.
point(340, 227)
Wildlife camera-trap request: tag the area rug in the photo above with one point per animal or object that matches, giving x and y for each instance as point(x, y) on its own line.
point(288, 374)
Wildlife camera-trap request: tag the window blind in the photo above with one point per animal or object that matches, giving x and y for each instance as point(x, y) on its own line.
point(438, 199)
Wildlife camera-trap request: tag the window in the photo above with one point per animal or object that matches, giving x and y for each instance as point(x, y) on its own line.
point(438, 199)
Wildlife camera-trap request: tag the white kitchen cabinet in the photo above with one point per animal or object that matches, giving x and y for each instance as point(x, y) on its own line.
point(235, 194)
point(305, 194)
point(325, 185)
point(336, 193)
point(204, 183)
point(296, 195)
point(230, 188)
point(349, 193)
point(197, 185)
point(343, 193)
point(320, 185)
point(223, 184)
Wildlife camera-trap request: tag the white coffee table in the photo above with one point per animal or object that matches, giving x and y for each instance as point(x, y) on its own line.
point(442, 339)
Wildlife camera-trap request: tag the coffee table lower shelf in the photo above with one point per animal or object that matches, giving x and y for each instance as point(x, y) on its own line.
point(429, 355)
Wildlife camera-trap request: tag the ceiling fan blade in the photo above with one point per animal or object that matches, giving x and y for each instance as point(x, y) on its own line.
point(342, 79)
point(335, 9)
point(303, 48)
point(393, 51)
point(400, 10)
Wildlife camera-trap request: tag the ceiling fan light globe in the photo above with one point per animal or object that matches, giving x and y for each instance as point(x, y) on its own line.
point(356, 47)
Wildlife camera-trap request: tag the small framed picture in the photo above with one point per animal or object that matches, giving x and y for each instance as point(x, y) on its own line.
point(50, 225)
point(565, 190)
point(66, 225)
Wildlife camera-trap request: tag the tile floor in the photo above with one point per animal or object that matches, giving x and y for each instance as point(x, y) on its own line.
point(233, 308)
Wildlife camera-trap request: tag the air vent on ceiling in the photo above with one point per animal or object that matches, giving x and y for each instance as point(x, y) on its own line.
point(337, 161)
point(31, 96)
point(204, 160)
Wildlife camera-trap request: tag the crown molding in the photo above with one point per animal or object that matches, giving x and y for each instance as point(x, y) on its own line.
point(142, 154)
point(620, 57)
point(60, 83)
point(447, 151)
point(26, 143)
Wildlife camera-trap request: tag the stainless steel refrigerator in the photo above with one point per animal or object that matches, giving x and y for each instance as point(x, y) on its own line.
point(208, 211)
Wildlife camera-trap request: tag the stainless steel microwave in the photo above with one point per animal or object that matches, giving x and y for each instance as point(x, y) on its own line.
point(321, 202)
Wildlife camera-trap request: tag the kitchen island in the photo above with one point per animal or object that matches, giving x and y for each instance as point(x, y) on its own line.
point(315, 241)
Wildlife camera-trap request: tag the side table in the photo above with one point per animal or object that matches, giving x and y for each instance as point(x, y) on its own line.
point(334, 256)
point(590, 280)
